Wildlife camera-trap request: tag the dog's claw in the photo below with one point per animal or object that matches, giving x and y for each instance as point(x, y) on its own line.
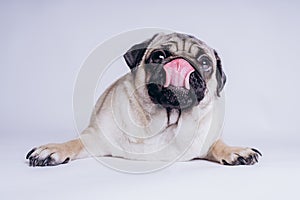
point(225, 163)
point(66, 160)
point(256, 151)
point(242, 160)
point(35, 162)
point(46, 161)
point(30, 152)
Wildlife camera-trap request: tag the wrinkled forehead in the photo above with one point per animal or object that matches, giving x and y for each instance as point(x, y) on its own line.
point(177, 42)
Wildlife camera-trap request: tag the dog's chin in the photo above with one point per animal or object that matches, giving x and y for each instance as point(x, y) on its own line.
point(180, 98)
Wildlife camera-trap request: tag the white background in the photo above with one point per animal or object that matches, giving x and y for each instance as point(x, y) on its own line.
point(43, 44)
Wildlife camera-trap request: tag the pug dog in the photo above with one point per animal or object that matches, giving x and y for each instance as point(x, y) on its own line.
point(162, 110)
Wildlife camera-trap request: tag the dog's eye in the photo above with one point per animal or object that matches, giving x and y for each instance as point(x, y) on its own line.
point(158, 56)
point(205, 63)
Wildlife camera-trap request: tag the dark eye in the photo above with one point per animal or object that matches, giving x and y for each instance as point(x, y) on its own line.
point(158, 56)
point(205, 63)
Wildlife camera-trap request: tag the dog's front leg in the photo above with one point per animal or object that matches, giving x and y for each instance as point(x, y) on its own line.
point(227, 155)
point(61, 153)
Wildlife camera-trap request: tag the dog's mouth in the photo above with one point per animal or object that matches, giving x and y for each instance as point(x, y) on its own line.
point(178, 73)
point(176, 85)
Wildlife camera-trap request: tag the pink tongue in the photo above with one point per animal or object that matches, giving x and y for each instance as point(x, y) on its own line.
point(178, 73)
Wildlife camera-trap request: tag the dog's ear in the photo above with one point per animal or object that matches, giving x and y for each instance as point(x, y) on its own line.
point(135, 54)
point(220, 75)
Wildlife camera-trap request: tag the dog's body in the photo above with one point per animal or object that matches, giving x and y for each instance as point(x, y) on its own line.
point(162, 110)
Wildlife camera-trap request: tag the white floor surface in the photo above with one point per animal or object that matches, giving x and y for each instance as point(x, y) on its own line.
point(274, 177)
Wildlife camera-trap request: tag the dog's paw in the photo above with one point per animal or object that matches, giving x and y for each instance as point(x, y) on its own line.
point(241, 156)
point(48, 155)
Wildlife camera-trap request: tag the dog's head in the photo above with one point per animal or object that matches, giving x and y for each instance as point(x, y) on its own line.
point(177, 69)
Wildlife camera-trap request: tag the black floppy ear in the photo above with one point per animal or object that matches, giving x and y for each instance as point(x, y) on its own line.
point(220, 75)
point(135, 54)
